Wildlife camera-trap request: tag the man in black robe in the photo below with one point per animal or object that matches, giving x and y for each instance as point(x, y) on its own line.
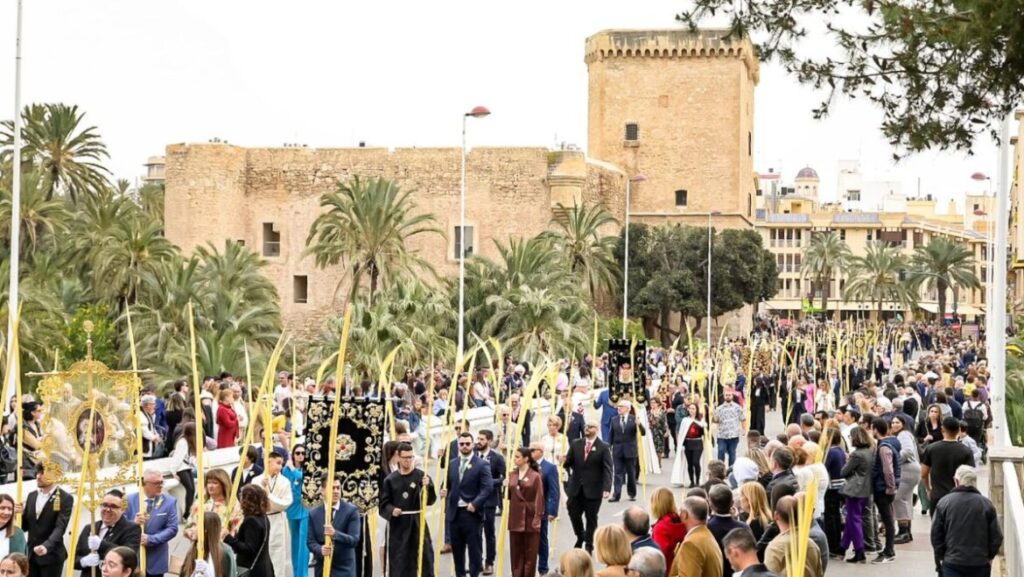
point(400, 505)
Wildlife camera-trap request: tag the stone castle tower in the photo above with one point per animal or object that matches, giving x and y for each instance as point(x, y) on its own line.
point(678, 107)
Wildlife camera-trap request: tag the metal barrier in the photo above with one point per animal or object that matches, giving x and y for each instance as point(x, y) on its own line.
point(1006, 470)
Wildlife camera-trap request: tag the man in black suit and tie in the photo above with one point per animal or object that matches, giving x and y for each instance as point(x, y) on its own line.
point(624, 450)
point(467, 489)
point(589, 465)
point(46, 516)
point(338, 541)
point(497, 463)
point(112, 530)
point(251, 467)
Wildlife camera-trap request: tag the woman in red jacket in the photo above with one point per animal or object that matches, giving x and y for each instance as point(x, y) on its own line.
point(669, 530)
point(526, 509)
point(227, 420)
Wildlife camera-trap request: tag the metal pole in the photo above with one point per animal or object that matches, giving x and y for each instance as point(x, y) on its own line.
point(996, 336)
point(625, 263)
point(12, 305)
point(709, 281)
point(462, 251)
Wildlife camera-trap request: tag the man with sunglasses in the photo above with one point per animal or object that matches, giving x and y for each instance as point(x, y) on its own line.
point(298, 515)
point(112, 530)
point(158, 518)
point(467, 489)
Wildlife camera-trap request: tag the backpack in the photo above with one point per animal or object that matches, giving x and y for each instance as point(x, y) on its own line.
point(975, 419)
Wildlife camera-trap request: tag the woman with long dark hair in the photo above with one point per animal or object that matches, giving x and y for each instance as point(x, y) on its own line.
point(526, 510)
point(218, 557)
point(12, 538)
point(182, 462)
point(250, 541)
point(174, 413)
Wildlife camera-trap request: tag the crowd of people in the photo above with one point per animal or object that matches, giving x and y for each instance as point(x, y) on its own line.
point(866, 440)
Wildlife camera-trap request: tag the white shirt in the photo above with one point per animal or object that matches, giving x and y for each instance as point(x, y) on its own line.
point(41, 500)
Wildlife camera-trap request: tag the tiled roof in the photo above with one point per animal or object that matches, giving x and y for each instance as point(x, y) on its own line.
point(785, 218)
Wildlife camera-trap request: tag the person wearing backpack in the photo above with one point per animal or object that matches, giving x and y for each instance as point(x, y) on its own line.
point(976, 415)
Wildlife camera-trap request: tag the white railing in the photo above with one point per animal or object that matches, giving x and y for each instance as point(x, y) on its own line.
point(1013, 519)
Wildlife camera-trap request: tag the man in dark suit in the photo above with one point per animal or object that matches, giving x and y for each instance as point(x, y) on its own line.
point(251, 466)
point(112, 530)
point(158, 518)
point(552, 497)
point(467, 489)
point(589, 464)
point(572, 419)
point(625, 451)
point(47, 513)
point(339, 539)
point(497, 463)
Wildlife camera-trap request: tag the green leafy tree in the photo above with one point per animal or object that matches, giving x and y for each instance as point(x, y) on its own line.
point(121, 260)
point(941, 72)
point(591, 254)
point(41, 219)
point(943, 264)
point(104, 335)
point(67, 154)
point(875, 277)
point(826, 253)
point(366, 228)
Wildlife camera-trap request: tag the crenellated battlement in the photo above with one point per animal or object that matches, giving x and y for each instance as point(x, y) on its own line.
point(670, 43)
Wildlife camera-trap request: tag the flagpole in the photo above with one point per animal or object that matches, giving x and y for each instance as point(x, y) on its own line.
point(12, 303)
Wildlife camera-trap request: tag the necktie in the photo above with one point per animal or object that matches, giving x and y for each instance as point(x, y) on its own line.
point(149, 505)
point(462, 467)
point(103, 531)
point(623, 423)
point(586, 450)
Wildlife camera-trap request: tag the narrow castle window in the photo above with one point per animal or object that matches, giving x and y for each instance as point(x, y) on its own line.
point(300, 288)
point(680, 197)
point(632, 131)
point(271, 240)
point(458, 236)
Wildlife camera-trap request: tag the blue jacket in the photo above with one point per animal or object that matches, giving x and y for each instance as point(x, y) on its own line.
point(347, 528)
point(877, 475)
point(475, 487)
point(608, 411)
point(294, 476)
point(497, 463)
point(552, 493)
point(161, 528)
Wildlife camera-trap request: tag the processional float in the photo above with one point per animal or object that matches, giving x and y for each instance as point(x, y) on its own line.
point(91, 432)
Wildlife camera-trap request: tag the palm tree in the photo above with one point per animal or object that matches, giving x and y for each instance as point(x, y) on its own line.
point(65, 153)
point(826, 252)
point(120, 262)
point(875, 277)
point(534, 322)
point(590, 254)
point(366, 228)
point(39, 217)
point(943, 264)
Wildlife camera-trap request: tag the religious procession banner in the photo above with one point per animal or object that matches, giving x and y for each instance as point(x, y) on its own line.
point(627, 370)
point(359, 446)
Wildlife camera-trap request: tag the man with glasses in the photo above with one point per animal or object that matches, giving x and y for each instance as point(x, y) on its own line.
point(466, 489)
point(401, 503)
point(589, 465)
point(112, 530)
point(158, 518)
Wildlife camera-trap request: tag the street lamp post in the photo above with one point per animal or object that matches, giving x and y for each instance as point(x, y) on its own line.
point(478, 112)
point(710, 214)
point(625, 258)
point(13, 303)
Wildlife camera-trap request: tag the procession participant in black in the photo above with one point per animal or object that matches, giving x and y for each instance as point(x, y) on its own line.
point(112, 530)
point(401, 507)
point(47, 513)
point(589, 466)
point(625, 451)
point(467, 489)
point(497, 463)
point(758, 401)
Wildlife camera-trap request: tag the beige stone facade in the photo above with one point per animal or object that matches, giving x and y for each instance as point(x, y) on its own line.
point(1015, 278)
point(690, 95)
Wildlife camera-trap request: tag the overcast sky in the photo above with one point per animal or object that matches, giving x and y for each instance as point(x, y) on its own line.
point(332, 73)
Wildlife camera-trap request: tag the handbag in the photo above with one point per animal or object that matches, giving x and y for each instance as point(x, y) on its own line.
point(244, 571)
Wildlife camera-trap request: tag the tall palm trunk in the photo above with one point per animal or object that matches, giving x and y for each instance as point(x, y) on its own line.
point(826, 283)
point(941, 286)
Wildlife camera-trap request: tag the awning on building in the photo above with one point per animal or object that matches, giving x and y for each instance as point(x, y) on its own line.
point(968, 310)
point(930, 307)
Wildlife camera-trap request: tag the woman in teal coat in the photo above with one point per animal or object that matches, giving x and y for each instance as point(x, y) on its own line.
point(298, 515)
point(12, 538)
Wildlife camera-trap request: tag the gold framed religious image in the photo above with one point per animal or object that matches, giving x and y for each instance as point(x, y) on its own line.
point(99, 429)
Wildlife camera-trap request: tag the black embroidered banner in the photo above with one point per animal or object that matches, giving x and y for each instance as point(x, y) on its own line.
point(360, 444)
point(627, 375)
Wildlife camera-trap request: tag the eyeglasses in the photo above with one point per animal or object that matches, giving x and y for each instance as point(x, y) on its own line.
point(110, 506)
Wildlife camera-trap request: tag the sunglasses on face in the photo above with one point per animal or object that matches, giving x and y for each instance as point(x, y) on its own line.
point(465, 444)
point(300, 453)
